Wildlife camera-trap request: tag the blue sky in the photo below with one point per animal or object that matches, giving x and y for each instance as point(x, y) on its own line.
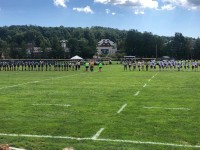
point(161, 17)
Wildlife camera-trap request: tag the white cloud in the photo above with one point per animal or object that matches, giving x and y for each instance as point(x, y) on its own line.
point(61, 3)
point(187, 4)
point(137, 12)
point(131, 3)
point(168, 7)
point(107, 11)
point(86, 10)
point(137, 5)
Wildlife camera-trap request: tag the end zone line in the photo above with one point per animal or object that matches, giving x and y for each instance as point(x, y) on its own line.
point(106, 140)
point(137, 93)
point(122, 108)
point(97, 134)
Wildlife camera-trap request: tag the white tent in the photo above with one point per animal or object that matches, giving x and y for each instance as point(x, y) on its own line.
point(76, 58)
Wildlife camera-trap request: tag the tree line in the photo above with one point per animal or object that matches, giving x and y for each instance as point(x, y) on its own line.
point(15, 40)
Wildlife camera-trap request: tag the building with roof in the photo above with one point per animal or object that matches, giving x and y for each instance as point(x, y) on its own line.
point(106, 47)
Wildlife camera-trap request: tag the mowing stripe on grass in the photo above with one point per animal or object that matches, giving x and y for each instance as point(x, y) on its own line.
point(6, 87)
point(167, 108)
point(95, 139)
point(64, 105)
point(122, 108)
point(137, 93)
point(97, 134)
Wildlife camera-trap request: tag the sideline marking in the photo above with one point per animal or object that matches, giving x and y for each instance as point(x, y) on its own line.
point(149, 80)
point(137, 93)
point(152, 77)
point(97, 134)
point(65, 105)
point(11, 86)
point(106, 140)
point(167, 108)
point(120, 110)
point(145, 85)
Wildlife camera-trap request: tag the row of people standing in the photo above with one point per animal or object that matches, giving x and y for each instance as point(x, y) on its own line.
point(187, 65)
point(39, 65)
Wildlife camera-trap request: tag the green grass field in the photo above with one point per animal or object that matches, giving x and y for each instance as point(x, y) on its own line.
point(108, 110)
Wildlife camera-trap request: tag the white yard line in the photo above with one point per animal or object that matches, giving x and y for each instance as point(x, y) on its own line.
point(137, 93)
point(156, 74)
point(13, 148)
point(167, 108)
point(153, 76)
point(178, 108)
point(122, 108)
point(152, 107)
point(64, 105)
point(106, 140)
point(144, 85)
point(43, 136)
point(16, 85)
point(5, 87)
point(150, 143)
point(97, 134)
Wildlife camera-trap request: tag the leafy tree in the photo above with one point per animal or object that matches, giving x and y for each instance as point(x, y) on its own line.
point(83, 41)
point(196, 50)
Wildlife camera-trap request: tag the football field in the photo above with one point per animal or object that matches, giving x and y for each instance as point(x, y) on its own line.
point(108, 110)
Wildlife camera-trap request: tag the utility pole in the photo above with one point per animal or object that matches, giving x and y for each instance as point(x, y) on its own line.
point(156, 47)
point(156, 51)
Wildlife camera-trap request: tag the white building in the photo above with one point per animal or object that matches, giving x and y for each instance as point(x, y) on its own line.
point(64, 45)
point(106, 47)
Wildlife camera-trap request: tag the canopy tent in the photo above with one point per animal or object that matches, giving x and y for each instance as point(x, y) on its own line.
point(76, 58)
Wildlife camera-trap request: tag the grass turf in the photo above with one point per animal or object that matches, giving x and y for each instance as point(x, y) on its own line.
point(95, 97)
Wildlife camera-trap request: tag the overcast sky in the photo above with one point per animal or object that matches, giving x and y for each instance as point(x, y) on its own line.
point(161, 17)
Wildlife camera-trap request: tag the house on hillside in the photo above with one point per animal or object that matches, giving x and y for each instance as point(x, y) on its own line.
point(64, 45)
point(2, 55)
point(106, 47)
